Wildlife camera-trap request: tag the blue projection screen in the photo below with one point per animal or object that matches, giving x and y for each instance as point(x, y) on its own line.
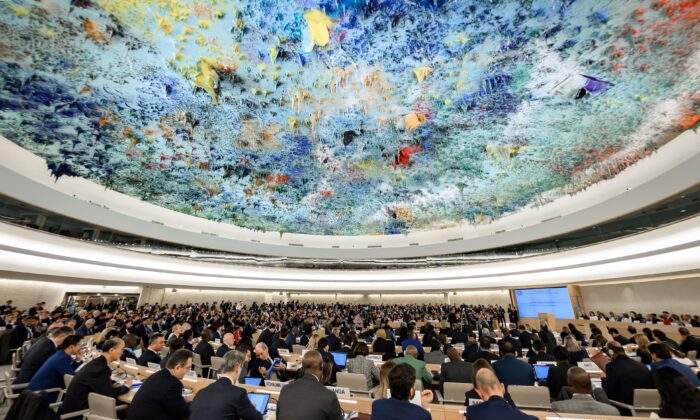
point(552, 300)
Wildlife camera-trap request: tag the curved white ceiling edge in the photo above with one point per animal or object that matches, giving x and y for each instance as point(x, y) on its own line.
point(668, 250)
point(672, 169)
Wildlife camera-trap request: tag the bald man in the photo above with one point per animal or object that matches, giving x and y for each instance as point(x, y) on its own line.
point(582, 402)
point(411, 358)
point(262, 363)
point(307, 398)
point(226, 346)
point(494, 406)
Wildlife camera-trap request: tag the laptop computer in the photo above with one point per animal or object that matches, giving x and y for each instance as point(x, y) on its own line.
point(340, 359)
point(259, 401)
point(253, 381)
point(541, 371)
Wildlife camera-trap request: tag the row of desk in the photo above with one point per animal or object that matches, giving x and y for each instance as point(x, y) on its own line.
point(359, 404)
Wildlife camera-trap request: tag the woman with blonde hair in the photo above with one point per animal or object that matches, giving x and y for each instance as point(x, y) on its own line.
point(643, 348)
point(313, 342)
point(383, 345)
point(379, 392)
point(574, 348)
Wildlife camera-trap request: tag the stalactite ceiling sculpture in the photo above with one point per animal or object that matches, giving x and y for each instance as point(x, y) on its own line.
point(347, 117)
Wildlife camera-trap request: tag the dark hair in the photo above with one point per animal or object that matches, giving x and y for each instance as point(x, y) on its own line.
point(348, 340)
point(206, 335)
point(561, 354)
point(130, 340)
point(361, 349)
point(612, 331)
point(484, 343)
point(507, 348)
point(662, 351)
point(55, 332)
point(110, 344)
point(659, 334)
point(154, 337)
point(176, 344)
point(284, 331)
point(401, 379)
point(679, 397)
point(631, 329)
point(683, 331)
point(179, 358)
point(322, 343)
point(71, 340)
point(539, 346)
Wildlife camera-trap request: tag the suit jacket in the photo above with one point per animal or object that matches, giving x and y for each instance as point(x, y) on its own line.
point(496, 408)
point(36, 356)
point(691, 343)
point(557, 378)
point(93, 377)
point(50, 375)
point(395, 409)
point(159, 398)
point(584, 404)
point(223, 349)
point(333, 343)
point(517, 347)
point(384, 346)
point(456, 371)
point(276, 346)
point(621, 339)
point(19, 334)
point(148, 356)
point(622, 376)
point(205, 352)
point(512, 371)
point(469, 350)
point(482, 354)
point(459, 337)
point(128, 354)
point(84, 331)
point(223, 400)
point(307, 399)
point(525, 340)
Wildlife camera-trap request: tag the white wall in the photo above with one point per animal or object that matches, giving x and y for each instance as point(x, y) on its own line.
point(204, 295)
point(675, 296)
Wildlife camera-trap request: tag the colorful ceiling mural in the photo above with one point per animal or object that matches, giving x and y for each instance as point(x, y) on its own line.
point(347, 117)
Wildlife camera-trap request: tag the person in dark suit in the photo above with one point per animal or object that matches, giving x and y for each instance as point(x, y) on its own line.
point(175, 345)
point(152, 353)
point(689, 342)
point(456, 370)
point(223, 399)
point(94, 377)
point(511, 371)
point(484, 351)
point(131, 343)
point(267, 335)
point(226, 346)
point(87, 329)
point(307, 397)
point(382, 345)
point(623, 375)
point(402, 378)
point(40, 352)
point(494, 406)
point(460, 335)
point(280, 343)
point(525, 338)
point(160, 395)
point(144, 330)
point(471, 347)
point(23, 331)
point(50, 375)
point(334, 340)
point(262, 362)
point(539, 354)
point(347, 347)
point(514, 342)
point(205, 351)
point(557, 377)
point(615, 334)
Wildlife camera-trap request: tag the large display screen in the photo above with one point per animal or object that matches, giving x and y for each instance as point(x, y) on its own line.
point(551, 300)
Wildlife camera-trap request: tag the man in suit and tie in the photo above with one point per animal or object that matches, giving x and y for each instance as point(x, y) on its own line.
point(223, 399)
point(40, 352)
point(456, 370)
point(23, 331)
point(94, 377)
point(402, 380)
point(689, 342)
point(306, 398)
point(494, 406)
point(160, 395)
point(582, 401)
point(227, 344)
point(512, 371)
point(88, 328)
point(152, 353)
point(484, 351)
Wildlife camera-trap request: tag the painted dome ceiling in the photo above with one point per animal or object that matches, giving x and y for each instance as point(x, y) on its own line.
point(347, 117)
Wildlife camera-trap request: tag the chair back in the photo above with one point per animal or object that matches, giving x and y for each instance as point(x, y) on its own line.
point(645, 402)
point(216, 363)
point(103, 406)
point(354, 381)
point(297, 348)
point(197, 363)
point(418, 385)
point(67, 379)
point(434, 357)
point(454, 391)
point(636, 358)
point(164, 351)
point(96, 417)
point(530, 396)
point(692, 354)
